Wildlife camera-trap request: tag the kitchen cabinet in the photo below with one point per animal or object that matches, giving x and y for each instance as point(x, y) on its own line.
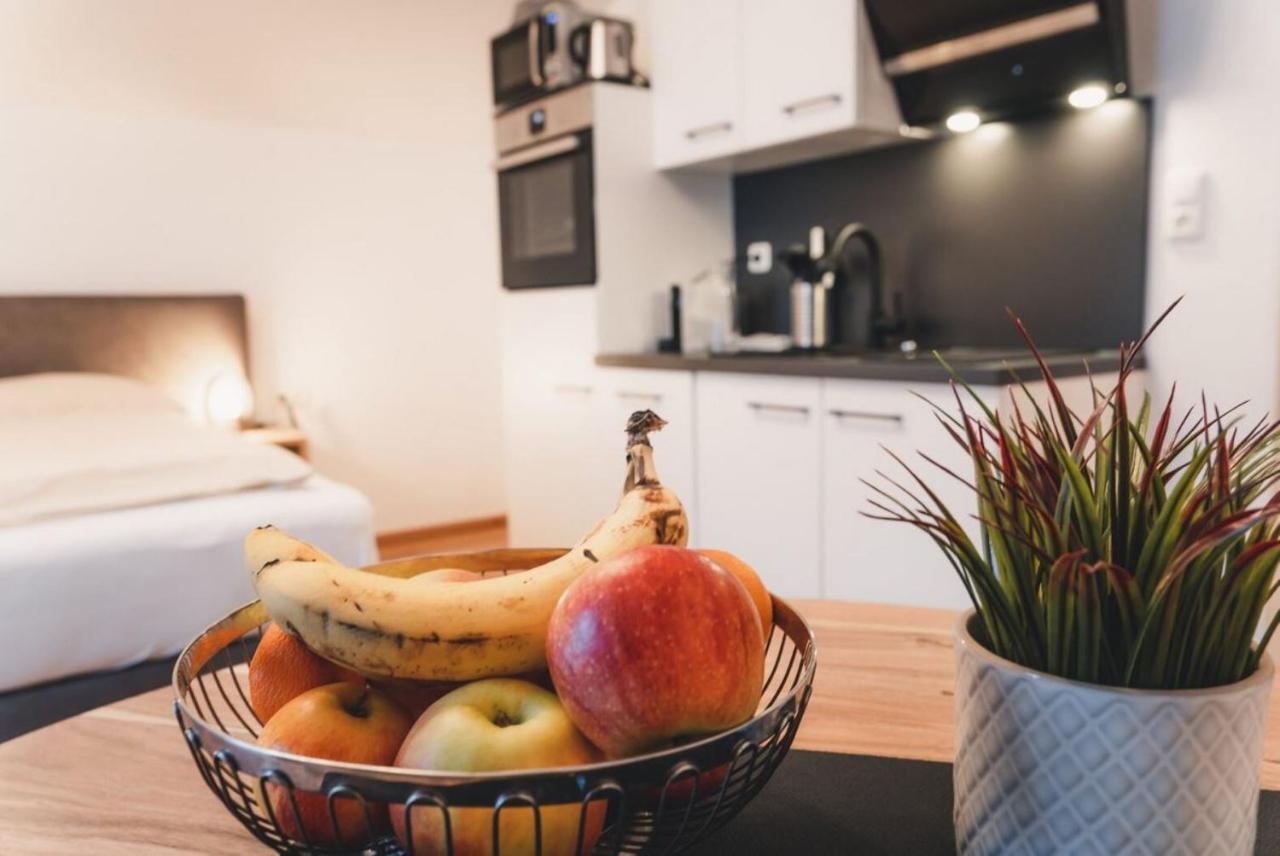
point(557, 482)
point(758, 466)
point(874, 560)
point(566, 448)
point(696, 51)
point(769, 467)
point(758, 83)
point(670, 395)
point(882, 562)
point(809, 88)
point(559, 479)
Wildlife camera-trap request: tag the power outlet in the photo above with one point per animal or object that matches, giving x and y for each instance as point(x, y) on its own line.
point(759, 257)
point(1184, 210)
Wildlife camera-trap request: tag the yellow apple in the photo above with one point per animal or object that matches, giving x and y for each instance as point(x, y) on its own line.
point(492, 725)
point(338, 722)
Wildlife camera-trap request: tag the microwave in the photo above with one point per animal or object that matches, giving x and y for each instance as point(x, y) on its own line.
point(534, 57)
point(546, 192)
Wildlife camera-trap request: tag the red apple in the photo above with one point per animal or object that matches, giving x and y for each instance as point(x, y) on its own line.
point(680, 791)
point(338, 722)
point(488, 725)
point(657, 643)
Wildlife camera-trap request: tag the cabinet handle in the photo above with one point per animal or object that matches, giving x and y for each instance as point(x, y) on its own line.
point(867, 416)
point(576, 388)
point(705, 130)
point(639, 396)
point(806, 104)
point(766, 407)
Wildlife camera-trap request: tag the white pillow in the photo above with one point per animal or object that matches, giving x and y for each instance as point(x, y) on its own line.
point(56, 465)
point(56, 393)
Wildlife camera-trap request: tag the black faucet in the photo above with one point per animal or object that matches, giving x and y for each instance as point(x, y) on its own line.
point(874, 324)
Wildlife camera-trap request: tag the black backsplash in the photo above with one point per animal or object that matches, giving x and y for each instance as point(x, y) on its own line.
point(1047, 216)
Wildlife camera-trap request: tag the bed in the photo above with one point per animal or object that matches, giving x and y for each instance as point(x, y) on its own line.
point(121, 516)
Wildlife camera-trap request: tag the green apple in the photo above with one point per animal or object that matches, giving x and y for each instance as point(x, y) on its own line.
point(492, 725)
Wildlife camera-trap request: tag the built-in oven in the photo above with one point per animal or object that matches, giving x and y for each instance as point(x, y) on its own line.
point(546, 194)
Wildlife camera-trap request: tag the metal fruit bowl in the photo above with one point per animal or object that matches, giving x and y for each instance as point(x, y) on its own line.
point(663, 802)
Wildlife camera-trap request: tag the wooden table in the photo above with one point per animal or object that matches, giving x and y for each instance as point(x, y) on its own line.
point(119, 780)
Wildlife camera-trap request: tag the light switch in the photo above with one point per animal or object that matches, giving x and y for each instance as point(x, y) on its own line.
point(1184, 205)
point(759, 257)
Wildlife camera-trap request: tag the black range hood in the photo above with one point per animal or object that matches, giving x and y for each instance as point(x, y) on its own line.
point(1001, 58)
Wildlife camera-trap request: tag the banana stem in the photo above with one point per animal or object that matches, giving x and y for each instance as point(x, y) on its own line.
point(640, 469)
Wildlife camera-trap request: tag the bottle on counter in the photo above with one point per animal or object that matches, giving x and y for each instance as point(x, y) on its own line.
point(710, 317)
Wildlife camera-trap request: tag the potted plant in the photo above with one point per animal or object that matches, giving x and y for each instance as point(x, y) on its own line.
point(1110, 694)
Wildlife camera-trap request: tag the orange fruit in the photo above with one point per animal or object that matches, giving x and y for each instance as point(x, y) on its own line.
point(283, 668)
point(751, 581)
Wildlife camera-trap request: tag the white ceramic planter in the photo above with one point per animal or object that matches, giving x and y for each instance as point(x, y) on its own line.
point(1047, 765)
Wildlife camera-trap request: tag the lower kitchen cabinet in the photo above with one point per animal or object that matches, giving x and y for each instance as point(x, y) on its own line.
point(566, 447)
point(559, 479)
point(759, 475)
point(670, 395)
point(875, 560)
point(769, 467)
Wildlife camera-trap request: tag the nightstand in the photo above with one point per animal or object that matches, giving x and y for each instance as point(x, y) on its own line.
point(293, 439)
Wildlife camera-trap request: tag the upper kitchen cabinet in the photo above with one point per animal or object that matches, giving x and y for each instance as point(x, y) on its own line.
point(698, 80)
point(750, 85)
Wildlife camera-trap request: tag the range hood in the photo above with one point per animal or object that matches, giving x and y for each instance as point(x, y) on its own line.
point(1003, 58)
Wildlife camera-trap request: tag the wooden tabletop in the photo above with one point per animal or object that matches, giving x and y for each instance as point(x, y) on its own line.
point(119, 780)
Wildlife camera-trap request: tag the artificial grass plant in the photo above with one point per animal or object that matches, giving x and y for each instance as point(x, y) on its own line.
point(1123, 548)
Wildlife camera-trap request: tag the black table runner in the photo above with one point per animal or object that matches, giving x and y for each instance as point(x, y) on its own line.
point(820, 803)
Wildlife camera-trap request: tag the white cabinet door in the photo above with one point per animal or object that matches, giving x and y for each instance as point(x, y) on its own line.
point(696, 80)
point(879, 561)
point(798, 73)
point(670, 395)
point(559, 482)
point(566, 456)
point(759, 475)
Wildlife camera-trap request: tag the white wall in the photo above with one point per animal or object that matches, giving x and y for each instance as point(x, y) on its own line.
point(1217, 87)
point(329, 159)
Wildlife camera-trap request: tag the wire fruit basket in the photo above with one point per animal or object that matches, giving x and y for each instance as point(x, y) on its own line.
point(662, 802)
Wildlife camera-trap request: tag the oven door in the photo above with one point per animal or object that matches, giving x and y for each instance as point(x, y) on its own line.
point(516, 58)
point(546, 209)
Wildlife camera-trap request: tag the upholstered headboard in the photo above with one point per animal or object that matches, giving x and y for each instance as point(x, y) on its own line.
point(177, 344)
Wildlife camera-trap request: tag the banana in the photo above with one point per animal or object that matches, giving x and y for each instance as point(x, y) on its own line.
point(415, 627)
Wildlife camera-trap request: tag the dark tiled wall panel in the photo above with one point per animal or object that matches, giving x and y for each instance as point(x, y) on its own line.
point(1047, 216)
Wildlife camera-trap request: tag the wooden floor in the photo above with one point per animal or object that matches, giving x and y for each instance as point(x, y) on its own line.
point(464, 537)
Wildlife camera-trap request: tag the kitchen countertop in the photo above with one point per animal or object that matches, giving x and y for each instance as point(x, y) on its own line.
point(978, 366)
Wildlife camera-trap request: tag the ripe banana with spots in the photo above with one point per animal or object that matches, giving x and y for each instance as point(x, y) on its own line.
point(419, 627)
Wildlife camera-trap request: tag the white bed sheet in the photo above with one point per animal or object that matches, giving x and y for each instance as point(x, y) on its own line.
point(114, 588)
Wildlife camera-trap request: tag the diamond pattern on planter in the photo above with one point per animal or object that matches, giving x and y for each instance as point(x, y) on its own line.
point(1051, 766)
